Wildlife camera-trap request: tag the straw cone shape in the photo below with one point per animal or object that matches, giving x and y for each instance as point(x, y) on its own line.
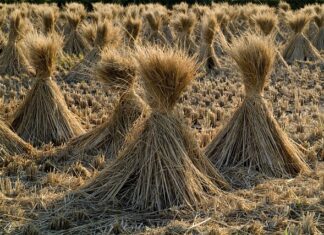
point(319, 38)
point(299, 47)
point(160, 166)
point(207, 52)
point(13, 61)
point(154, 20)
point(43, 117)
point(49, 20)
point(133, 27)
point(266, 22)
point(117, 72)
point(184, 25)
point(107, 35)
point(11, 143)
point(75, 43)
point(252, 138)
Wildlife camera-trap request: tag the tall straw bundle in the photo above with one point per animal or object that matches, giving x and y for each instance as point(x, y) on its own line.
point(43, 117)
point(253, 138)
point(207, 52)
point(319, 38)
point(117, 72)
point(132, 27)
point(106, 35)
point(154, 20)
point(88, 31)
point(161, 166)
point(299, 47)
point(184, 25)
point(75, 42)
point(267, 22)
point(11, 143)
point(13, 61)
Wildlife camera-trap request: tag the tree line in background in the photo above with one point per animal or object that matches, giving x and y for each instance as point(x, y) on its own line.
point(295, 4)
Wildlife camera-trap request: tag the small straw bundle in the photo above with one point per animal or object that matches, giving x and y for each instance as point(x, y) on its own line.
point(106, 35)
point(319, 38)
point(132, 29)
point(11, 143)
point(13, 61)
point(253, 139)
point(154, 20)
point(43, 117)
point(117, 72)
point(75, 42)
point(207, 52)
point(284, 6)
point(267, 22)
point(161, 165)
point(299, 47)
point(184, 25)
point(49, 19)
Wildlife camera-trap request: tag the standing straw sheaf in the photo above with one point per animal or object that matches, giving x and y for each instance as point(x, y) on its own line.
point(299, 47)
point(183, 26)
point(13, 61)
point(155, 35)
point(207, 52)
point(117, 72)
point(253, 139)
point(49, 20)
point(43, 117)
point(266, 22)
point(132, 28)
point(161, 166)
point(318, 41)
point(106, 35)
point(75, 42)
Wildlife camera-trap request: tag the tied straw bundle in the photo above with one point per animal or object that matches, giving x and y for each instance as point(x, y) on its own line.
point(43, 117)
point(252, 138)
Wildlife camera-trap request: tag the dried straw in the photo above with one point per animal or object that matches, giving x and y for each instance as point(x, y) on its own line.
point(207, 52)
point(75, 42)
point(43, 117)
point(11, 143)
point(299, 47)
point(133, 27)
point(49, 19)
point(319, 38)
point(184, 25)
point(252, 138)
point(267, 22)
point(154, 20)
point(13, 61)
point(117, 72)
point(161, 165)
point(106, 35)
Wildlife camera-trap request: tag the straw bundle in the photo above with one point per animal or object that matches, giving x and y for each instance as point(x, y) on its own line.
point(133, 27)
point(88, 31)
point(106, 35)
point(11, 143)
point(2, 41)
point(117, 72)
point(253, 139)
point(13, 61)
point(49, 19)
point(161, 166)
point(43, 117)
point(184, 25)
point(319, 38)
point(284, 6)
point(75, 43)
point(299, 47)
point(154, 20)
point(207, 52)
point(267, 22)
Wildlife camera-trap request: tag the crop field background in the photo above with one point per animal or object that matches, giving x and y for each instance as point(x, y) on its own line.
point(143, 119)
